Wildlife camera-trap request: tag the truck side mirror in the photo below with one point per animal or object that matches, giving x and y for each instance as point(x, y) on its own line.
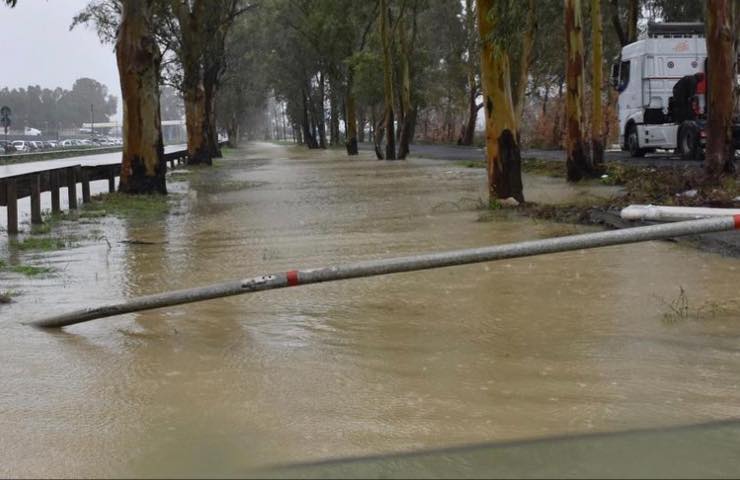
point(614, 78)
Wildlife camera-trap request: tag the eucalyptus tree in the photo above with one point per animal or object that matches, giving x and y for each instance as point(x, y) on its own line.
point(597, 68)
point(472, 62)
point(196, 32)
point(385, 23)
point(132, 26)
point(138, 56)
point(503, 153)
point(721, 58)
point(578, 161)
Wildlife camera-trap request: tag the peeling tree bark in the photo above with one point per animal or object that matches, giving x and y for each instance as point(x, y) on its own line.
point(502, 136)
point(526, 59)
point(467, 136)
point(389, 116)
point(138, 56)
point(194, 95)
point(578, 163)
point(597, 115)
point(409, 114)
point(720, 154)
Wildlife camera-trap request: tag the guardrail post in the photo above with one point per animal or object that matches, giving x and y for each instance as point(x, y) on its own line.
point(36, 200)
point(72, 188)
point(85, 177)
point(54, 188)
point(111, 179)
point(11, 200)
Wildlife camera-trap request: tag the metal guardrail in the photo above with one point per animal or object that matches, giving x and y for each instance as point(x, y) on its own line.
point(32, 184)
point(30, 157)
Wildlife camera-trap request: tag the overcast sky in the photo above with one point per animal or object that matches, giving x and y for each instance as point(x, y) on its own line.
point(38, 48)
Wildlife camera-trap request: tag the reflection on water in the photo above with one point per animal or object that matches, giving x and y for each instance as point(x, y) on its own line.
point(566, 343)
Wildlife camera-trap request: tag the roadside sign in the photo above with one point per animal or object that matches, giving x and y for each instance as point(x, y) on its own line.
point(5, 119)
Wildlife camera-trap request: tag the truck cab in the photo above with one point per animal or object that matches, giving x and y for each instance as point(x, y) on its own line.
point(646, 76)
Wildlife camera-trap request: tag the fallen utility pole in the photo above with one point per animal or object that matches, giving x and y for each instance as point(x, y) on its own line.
point(660, 213)
point(395, 265)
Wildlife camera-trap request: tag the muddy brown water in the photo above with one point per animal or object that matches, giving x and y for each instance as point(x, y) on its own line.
point(567, 343)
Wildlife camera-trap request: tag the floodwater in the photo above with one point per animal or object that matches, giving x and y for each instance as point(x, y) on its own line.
point(561, 344)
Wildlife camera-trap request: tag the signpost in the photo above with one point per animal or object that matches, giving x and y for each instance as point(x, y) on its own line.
point(5, 120)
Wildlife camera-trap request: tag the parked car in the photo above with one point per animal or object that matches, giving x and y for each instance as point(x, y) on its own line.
point(68, 143)
point(22, 146)
point(6, 147)
point(85, 142)
point(37, 145)
point(50, 144)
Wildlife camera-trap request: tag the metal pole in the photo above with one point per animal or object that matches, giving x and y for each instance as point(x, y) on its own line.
point(661, 213)
point(395, 265)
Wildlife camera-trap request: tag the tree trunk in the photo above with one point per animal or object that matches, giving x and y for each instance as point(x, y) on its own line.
point(321, 115)
point(720, 154)
point(308, 138)
point(334, 114)
point(633, 13)
point(526, 58)
point(389, 117)
point(408, 114)
point(233, 131)
point(597, 115)
point(211, 131)
point(194, 94)
point(378, 134)
point(617, 23)
point(142, 166)
point(196, 122)
point(351, 118)
point(502, 138)
point(468, 134)
point(361, 116)
point(578, 163)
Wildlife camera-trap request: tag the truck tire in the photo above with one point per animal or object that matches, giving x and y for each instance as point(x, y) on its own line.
point(688, 141)
point(633, 143)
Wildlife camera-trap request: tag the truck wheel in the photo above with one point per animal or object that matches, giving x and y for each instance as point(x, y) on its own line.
point(633, 143)
point(688, 141)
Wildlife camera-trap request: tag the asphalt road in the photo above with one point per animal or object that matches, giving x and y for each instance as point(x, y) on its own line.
point(457, 153)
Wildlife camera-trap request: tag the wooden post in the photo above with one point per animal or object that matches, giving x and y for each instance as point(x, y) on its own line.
point(72, 188)
point(11, 201)
point(111, 180)
point(85, 185)
point(54, 187)
point(36, 200)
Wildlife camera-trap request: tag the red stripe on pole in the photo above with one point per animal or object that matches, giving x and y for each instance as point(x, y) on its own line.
point(292, 275)
point(737, 222)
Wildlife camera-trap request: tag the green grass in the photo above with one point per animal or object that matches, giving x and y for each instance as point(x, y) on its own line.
point(45, 244)
point(30, 270)
point(27, 270)
point(125, 206)
point(472, 163)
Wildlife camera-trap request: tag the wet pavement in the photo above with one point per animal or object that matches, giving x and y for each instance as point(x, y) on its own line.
point(569, 343)
point(661, 158)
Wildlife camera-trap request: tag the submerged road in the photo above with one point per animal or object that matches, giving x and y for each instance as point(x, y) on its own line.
point(570, 343)
point(457, 152)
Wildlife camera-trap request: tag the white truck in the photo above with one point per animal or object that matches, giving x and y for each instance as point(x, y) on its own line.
point(661, 82)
